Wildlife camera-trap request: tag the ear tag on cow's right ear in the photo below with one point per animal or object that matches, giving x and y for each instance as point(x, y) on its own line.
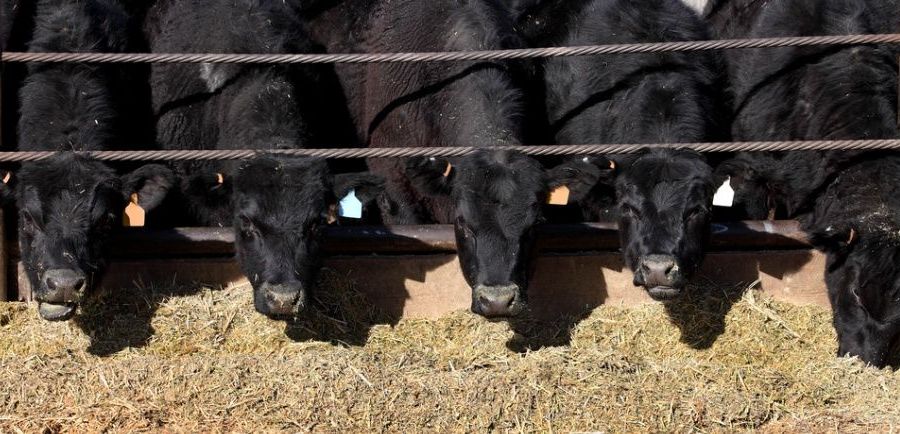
point(559, 196)
point(133, 216)
point(350, 206)
point(7, 177)
point(725, 195)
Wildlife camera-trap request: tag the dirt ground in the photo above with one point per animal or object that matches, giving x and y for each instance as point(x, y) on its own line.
point(199, 359)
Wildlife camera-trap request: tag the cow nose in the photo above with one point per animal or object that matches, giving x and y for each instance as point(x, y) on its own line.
point(657, 270)
point(496, 301)
point(62, 286)
point(659, 274)
point(280, 299)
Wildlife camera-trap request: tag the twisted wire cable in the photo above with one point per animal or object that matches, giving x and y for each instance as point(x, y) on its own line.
point(238, 154)
point(452, 56)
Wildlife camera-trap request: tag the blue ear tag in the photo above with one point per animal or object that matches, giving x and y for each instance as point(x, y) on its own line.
point(350, 206)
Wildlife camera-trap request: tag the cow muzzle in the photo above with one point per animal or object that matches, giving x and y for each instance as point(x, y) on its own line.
point(497, 301)
point(661, 276)
point(61, 291)
point(280, 300)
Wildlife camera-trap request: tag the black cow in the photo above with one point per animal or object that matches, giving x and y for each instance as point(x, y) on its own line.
point(275, 204)
point(492, 198)
point(663, 198)
point(68, 205)
point(733, 18)
point(845, 200)
point(16, 22)
point(11, 12)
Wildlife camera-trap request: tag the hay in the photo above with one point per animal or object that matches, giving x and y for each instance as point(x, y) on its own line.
point(197, 359)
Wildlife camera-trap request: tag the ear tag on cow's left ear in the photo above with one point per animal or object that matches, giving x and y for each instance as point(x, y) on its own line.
point(7, 177)
point(559, 196)
point(725, 195)
point(133, 216)
point(448, 170)
point(350, 206)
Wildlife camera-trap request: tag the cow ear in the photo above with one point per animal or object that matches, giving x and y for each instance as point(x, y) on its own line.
point(151, 183)
point(739, 170)
point(834, 238)
point(7, 188)
point(366, 186)
point(431, 175)
point(581, 175)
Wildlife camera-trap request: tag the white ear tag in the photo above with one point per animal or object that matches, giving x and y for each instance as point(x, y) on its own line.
point(350, 206)
point(725, 195)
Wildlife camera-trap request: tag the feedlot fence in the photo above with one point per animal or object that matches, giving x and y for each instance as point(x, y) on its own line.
point(788, 269)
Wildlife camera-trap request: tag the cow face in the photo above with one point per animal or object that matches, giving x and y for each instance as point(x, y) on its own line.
point(856, 222)
point(497, 199)
point(863, 285)
point(280, 206)
point(664, 200)
point(68, 206)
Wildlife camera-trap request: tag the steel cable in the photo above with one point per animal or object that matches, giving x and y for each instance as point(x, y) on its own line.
point(452, 56)
point(214, 154)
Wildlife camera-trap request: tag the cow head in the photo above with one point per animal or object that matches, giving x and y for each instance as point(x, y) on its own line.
point(280, 204)
point(857, 224)
point(496, 198)
point(664, 199)
point(68, 206)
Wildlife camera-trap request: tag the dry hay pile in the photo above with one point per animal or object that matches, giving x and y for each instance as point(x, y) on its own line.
point(151, 358)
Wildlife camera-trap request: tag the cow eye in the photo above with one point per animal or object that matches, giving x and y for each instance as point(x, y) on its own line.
point(312, 229)
point(467, 231)
point(695, 213)
point(29, 222)
point(630, 211)
point(105, 222)
point(248, 229)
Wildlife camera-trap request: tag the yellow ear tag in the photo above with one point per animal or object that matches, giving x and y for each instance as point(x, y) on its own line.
point(220, 178)
point(448, 170)
point(133, 217)
point(7, 177)
point(559, 196)
point(852, 236)
point(612, 164)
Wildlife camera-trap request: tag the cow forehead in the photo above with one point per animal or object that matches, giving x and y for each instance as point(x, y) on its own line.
point(284, 203)
point(506, 179)
point(666, 192)
point(75, 176)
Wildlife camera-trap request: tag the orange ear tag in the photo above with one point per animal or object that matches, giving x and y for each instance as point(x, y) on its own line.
point(448, 170)
point(133, 217)
point(559, 196)
point(852, 236)
point(332, 214)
